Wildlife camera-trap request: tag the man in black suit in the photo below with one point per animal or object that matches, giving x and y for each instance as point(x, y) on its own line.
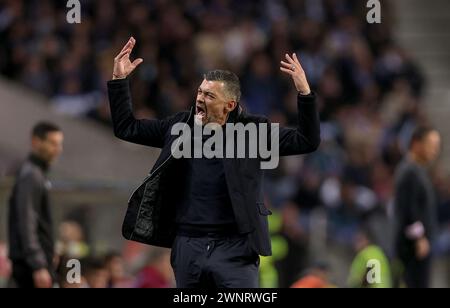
point(415, 208)
point(209, 211)
point(31, 242)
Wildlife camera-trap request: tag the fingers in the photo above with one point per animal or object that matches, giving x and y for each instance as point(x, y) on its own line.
point(293, 62)
point(294, 69)
point(286, 65)
point(137, 62)
point(127, 45)
point(127, 49)
point(130, 44)
point(293, 59)
point(290, 60)
point(292, 65)
point(287, 71)
point(123, 54)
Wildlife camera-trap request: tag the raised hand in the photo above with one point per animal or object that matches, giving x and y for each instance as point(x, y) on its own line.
point(122, 63)
point(293, 68)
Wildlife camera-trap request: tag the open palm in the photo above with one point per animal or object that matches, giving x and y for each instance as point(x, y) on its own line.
point(123, 66)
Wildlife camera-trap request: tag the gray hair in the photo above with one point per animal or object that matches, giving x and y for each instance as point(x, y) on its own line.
point(230, 80)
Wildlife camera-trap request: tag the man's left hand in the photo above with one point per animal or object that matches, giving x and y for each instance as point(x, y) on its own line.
point(293, 68)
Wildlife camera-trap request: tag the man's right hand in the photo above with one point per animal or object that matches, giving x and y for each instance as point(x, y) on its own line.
point(42, 279)
point(122, 63)
point(422, 248)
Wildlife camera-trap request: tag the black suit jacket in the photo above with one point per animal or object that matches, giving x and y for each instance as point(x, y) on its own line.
point(151, 215)
point(415, 202)
point(30, 223)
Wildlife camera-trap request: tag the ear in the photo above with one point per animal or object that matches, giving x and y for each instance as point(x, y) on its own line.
point(34, 141)
point(230, 106)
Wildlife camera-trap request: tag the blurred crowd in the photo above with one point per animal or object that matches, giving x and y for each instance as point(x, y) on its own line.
point(369, 91)
point(79, 265)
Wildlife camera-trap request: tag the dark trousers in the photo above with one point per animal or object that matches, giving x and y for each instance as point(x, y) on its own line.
point(417, 272)
point(207, 262)
point(22, 275)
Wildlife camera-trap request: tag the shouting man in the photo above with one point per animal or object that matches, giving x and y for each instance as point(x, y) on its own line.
point(209, 211)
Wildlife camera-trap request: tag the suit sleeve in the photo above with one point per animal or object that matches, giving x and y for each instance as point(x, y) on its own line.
point(305, 138)
point(29, 195)
point(126, 126)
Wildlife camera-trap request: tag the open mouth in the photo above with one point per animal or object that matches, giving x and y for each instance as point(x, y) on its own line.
point(201, 111)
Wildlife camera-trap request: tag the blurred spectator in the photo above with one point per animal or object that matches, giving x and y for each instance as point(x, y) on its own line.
point(293, 260)
point(117, 274)
point(71, 242)
point(95, 273)
point(158, 272)
point(5, 266)
point(317, 277)
point(269, 274)
point(64, 272)
point(367, 254)
point(180, 39)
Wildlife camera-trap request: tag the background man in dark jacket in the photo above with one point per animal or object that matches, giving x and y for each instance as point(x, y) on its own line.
point(211, 212)
point(30, 224)
point(415, 208)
